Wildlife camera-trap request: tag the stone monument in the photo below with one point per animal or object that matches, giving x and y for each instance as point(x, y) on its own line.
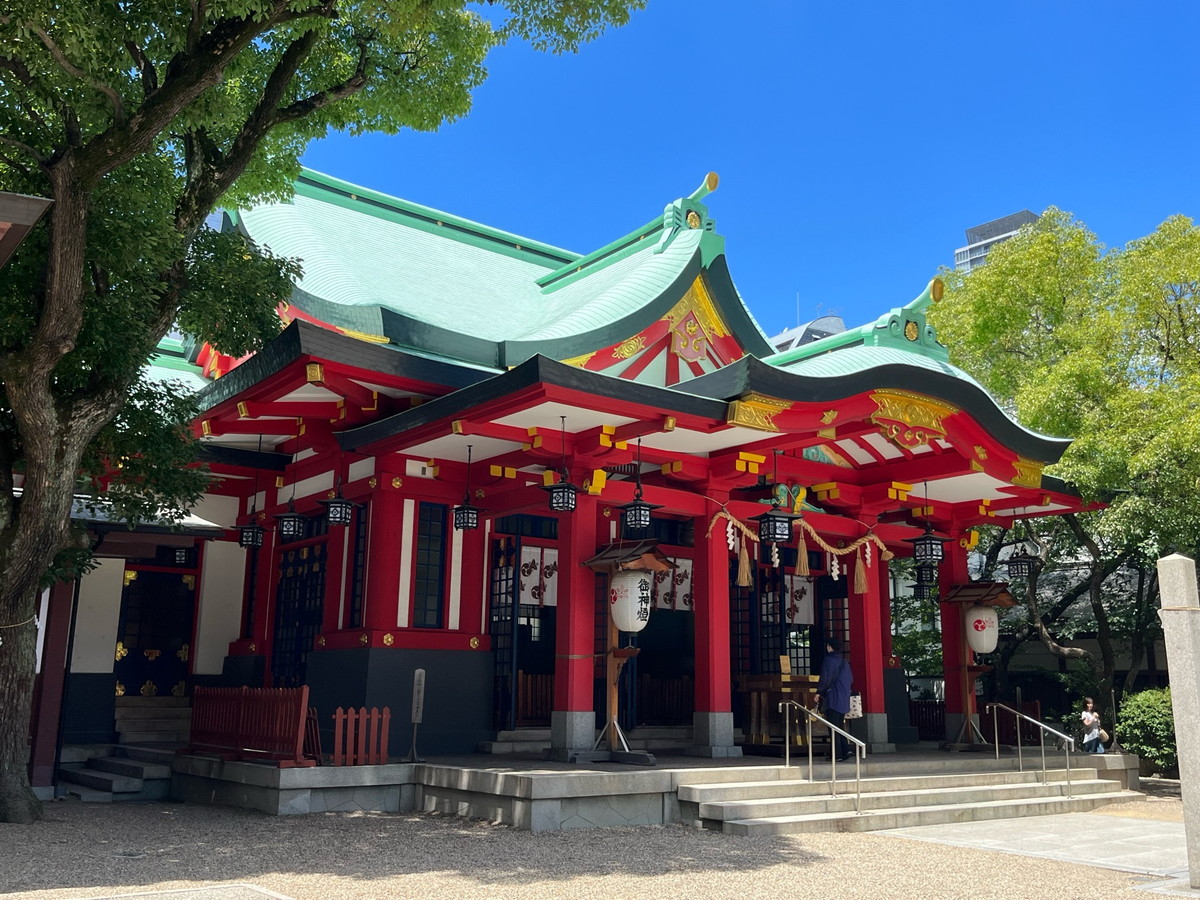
point(1180, 616)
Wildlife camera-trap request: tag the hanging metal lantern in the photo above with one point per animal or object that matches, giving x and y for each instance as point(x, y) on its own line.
point(927, 575)
point(629, 599)
point(466, 515)
point(1020, 564)
point(339, 510)
point(928, 547)
point(183, 556)
point(562, 495)
point(775, 525)
point(983, 628)
point(290, 523)
point(250, 536)
point(637, 513)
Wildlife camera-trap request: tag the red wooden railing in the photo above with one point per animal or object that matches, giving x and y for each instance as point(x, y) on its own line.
point(360, 736)
point(251, 723)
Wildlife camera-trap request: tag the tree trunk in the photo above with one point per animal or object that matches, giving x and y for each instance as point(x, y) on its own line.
point(17, 801)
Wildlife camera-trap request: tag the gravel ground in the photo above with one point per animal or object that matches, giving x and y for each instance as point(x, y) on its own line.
point(90, 850)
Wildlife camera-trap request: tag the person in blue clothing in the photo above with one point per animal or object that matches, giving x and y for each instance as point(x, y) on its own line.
point(833, 688)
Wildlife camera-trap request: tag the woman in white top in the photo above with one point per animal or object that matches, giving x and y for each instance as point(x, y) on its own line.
point(1091, 728)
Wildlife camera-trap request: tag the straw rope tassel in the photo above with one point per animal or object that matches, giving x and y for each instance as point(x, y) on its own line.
point(743, 575)
point(860, 573)
point(802, 555)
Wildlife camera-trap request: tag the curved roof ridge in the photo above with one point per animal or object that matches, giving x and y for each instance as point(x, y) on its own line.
point(369, 198)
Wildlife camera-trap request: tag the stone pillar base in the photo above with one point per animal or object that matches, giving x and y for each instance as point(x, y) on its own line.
point(872, 728)
point(712, 736)
point(571, 732)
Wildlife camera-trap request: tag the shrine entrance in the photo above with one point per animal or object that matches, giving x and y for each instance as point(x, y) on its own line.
point(154, 634)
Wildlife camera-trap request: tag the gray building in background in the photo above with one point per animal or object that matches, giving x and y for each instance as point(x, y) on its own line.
point(982, 238)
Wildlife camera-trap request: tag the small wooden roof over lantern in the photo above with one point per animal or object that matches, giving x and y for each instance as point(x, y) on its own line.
point(983, 593)
point(639, 555)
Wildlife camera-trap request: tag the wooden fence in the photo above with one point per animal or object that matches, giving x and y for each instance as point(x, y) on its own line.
point(360, 736)
point(929, 717)
point(251, 723)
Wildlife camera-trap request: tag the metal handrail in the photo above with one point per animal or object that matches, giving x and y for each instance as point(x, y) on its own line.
point(1068, 742)
point(860, 748)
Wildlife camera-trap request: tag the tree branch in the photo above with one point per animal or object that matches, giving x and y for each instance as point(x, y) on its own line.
point(24, 148)
point(212, 180)
point(71, 69)
point(145, 68)
point(321, 99)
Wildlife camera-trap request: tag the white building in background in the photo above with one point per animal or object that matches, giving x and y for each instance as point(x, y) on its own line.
point(982, 238)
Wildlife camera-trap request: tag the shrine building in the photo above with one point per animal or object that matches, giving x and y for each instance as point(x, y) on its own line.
point(455, 419)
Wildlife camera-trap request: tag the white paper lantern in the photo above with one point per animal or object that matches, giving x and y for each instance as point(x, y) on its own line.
point(983, 628)
point(629, 599)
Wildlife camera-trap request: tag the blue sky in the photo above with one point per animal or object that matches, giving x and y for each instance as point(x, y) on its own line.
point(855, 141)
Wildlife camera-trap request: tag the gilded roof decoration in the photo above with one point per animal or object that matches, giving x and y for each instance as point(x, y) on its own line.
point(699, 301)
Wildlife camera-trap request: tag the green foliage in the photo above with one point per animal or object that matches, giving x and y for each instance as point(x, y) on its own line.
point(1147, 727)
point(1102, 346)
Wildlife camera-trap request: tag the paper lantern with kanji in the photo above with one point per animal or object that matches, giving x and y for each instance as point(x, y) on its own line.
point(629, 599)
point(983, 628)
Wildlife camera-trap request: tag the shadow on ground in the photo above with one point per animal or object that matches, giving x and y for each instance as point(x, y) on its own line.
point(129, 844)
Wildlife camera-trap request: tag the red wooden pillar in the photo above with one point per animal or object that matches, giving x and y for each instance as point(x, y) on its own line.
point(712, 721)
point(573, 719)
point(867, 646)
point(960, 696)
point(386, 535)
point(47, 703)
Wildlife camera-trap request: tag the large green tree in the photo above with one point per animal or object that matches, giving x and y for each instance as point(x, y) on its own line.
point(136, 118)
point(1103, 346)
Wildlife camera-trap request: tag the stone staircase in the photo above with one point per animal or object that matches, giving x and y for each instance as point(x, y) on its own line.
point(959, 791)
point(105, 773)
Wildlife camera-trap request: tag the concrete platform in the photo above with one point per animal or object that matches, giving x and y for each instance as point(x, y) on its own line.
point(538, 795)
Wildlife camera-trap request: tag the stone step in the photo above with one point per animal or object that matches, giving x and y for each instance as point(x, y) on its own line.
point(87, 794)
point(79, 753)
point(884, 800)
point(796, 787)
point(138, 714)
point(151, 702)
point(149, 737)
point(923, 815)
point(98, 780)
point(133, 768)
point(162, 755)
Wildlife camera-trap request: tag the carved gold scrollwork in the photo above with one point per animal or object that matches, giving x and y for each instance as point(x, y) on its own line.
point(631, 347)
point(152, 655)
point(755, 411)
point(122, 651)
point(910, 420)
point(130, 577)
point(189, 582)
point(120, 689)
point(182, 653)
point(149, 689)
point(1028, 472)
point(180, 689)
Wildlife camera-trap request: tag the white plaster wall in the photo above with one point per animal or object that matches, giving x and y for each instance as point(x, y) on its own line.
point(221, 511)
point(218, 618)
point(98, 617)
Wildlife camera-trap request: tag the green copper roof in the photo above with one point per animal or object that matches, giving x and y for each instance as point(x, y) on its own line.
point(903, 329)
point(382, 266)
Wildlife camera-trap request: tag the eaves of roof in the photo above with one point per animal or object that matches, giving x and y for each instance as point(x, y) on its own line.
point(302, 339)
point(537, 370)
point(750, 375)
